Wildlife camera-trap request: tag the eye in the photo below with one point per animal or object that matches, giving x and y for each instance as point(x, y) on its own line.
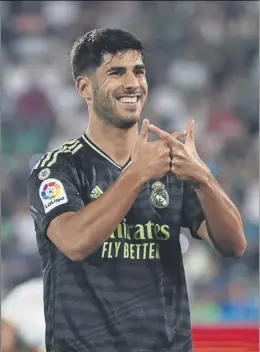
point(116, 73)
point(140, 72)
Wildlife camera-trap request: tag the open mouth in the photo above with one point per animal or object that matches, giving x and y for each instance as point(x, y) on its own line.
point(129, 100)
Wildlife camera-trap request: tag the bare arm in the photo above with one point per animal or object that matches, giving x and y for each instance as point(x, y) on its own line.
point(223, 219)
point(8, 336)
point(78, 234)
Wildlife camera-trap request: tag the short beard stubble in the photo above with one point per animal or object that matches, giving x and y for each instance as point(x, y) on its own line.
point(104, 111)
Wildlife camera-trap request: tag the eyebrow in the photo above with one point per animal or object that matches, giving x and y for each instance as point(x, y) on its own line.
point(122, 68)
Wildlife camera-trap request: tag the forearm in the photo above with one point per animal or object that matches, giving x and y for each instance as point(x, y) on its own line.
point(8, 334)
point(223, 219)
point(79, 234)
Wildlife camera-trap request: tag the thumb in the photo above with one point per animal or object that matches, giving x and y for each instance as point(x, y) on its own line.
point(144, 130)
point(190, 133)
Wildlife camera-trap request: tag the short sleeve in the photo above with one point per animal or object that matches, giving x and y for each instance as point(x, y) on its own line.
point(53, 191)
point(192, 213)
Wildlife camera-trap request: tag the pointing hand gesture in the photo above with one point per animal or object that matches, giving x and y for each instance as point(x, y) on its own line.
point(150, 159)
point(186, 164)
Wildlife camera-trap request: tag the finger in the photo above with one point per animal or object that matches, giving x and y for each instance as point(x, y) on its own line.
point(179, 135)
point(172, 141)
point(157, 131)
point(190, 132)
point(178, 173)
point(144, 130)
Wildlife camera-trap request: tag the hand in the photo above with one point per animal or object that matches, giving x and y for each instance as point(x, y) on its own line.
point(40, 349)
point(186, 163)
point(150, 159)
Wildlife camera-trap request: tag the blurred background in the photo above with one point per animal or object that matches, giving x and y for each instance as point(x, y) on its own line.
point(203, 63)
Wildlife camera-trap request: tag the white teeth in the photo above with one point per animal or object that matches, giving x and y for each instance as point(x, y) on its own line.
point(128, 100)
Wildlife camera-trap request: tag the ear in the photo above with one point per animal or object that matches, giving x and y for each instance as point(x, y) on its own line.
point(84, 87)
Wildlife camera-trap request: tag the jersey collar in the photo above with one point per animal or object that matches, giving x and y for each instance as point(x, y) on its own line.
point(103, 154)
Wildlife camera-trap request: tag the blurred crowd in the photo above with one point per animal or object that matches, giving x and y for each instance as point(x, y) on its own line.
point(202, 63)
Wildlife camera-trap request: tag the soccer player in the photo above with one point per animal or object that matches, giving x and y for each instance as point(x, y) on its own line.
point(22, 317)
point(108, 208)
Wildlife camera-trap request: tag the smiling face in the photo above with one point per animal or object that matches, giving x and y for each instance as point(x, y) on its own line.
point(119, 89)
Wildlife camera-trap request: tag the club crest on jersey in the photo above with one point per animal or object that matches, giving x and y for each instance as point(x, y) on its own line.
point(52, 194)
point(159, 197)
point(43, 174)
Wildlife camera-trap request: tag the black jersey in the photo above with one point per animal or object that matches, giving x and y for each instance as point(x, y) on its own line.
point(130, 295)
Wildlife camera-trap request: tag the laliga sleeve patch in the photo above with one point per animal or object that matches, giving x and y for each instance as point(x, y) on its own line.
point(52, 194)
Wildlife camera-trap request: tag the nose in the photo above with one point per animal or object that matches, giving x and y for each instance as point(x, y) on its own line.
point(130, 81)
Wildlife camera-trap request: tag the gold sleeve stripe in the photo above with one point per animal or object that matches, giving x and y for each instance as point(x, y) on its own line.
point(41, 159)
point(66, 148)
point(78, 147)
point(51, 157)
point(71, 142)
point(46, 158)
point(50, 154)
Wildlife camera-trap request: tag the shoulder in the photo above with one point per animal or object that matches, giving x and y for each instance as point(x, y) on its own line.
point(59, 159)
point(54, 180)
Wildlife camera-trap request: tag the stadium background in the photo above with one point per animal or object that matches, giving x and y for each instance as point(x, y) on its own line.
point(203, 63)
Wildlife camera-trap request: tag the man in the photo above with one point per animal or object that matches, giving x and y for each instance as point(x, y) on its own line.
point(22, 317)
point(108, 208)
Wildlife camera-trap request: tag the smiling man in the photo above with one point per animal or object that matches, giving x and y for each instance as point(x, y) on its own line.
point(108, 208)
point(115, 104)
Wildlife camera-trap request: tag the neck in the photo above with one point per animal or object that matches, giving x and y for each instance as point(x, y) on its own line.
point(118, 144)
